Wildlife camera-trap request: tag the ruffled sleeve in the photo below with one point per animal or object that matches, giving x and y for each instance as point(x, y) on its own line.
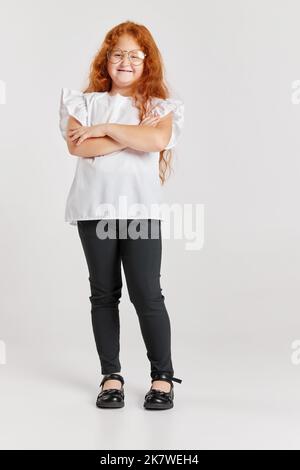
point(72, 103)
point(163, 107)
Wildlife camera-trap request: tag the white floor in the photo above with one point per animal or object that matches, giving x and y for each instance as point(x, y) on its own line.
point(48, 402)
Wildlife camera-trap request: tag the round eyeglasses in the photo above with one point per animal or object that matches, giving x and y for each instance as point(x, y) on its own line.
point(136, 57)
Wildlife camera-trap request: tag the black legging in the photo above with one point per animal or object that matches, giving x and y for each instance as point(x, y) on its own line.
point(141, 258)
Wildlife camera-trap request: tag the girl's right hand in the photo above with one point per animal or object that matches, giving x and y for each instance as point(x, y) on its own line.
point(150, 120)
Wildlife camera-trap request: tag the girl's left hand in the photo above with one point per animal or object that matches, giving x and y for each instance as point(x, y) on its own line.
point(85, 132)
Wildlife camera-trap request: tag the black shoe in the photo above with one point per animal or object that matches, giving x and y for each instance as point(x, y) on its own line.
point(158, 399)
point(112, 397)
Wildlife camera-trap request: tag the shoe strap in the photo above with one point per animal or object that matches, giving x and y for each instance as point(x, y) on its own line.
point(177, 380)
point(112, 377)
point(166, 377)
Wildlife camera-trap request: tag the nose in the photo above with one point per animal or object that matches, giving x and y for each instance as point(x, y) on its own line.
point(125, 62)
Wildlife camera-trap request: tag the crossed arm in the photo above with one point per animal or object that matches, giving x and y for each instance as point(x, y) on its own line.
point(121, 136)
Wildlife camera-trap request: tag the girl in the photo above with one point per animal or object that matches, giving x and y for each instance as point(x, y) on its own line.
point(121, 128)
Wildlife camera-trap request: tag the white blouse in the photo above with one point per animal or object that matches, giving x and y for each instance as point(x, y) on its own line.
point(120, 185)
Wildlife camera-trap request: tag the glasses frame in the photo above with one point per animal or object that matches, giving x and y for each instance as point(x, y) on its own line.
point(127, 52)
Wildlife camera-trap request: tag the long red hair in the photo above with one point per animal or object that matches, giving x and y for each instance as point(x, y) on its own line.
point(151, 83)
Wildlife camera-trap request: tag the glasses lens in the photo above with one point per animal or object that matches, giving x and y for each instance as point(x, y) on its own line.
point(115, 55)
point(136, 57)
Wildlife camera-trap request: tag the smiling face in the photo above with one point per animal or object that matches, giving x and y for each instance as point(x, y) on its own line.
point(124, 73)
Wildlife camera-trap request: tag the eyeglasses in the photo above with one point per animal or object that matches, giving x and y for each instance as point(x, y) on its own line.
point(136, 57)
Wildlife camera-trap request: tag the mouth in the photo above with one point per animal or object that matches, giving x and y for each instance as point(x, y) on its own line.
point(123, 70)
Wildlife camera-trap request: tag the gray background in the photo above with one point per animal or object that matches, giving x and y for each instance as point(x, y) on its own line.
point(234, 304)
